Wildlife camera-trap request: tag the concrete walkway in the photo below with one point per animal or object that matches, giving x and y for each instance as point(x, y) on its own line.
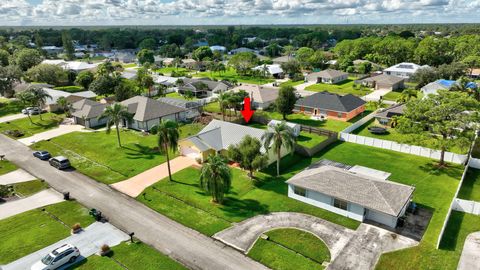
point(191, 248)
point(12, 117)
point(135, 185)
point(365, 247)
point(470, 259)
point(61, 130)
point(301, 87)
point(88, 242)
point(40, 199)
point(376, 94)
point(16, 176)
point(243, 235)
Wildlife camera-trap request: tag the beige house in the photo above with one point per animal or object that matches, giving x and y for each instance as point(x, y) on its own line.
point(384, 82)
point(260, 96)
point(330, 76)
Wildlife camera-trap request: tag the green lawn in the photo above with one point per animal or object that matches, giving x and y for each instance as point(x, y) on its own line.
point(393, 135)
point(50, 121)
point(30, 231)
point(111, 164)
point(392, 96)
point(470, 189)
point(212, 107)
point(183, 200)
point(342, 88)
point(303, 119)
point(132, 255)
point(168, 70)
point(277, 257)
point(129, 65)
point(178, 96)
point(70, 88)
point(6, 167)
point(230, 75)
point(28, 188)
point(310, 139)
point(8, 107)
point(291, 83)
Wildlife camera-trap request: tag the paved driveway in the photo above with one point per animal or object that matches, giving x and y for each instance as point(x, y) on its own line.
point(88, 242)
point(12, 117)
point(135, 185)
point(16, 176)
point(183, 244)
point(40, 199)
point(244, 234)
point(375, 95)
point(470, 259)
point(61, 130)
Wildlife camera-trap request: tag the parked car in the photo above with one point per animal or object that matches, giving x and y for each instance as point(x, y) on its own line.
point(32, 110)
point(43, 155)
point(59, 162)
point(58, 257)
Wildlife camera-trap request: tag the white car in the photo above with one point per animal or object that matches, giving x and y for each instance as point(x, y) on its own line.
point(32, 110)
point(58, 257)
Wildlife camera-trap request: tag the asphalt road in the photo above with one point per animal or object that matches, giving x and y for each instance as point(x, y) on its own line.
point(185, 245)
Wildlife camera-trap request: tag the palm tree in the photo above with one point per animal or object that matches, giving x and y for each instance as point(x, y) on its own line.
point(407, 95)
point(168, 136)
point(223, 103)
point(116, 113)
point(65, 105)
point(216, 177)
point(279, 136)
point(39, 96)
point(26, 100)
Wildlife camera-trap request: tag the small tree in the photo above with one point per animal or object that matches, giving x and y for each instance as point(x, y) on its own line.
point(278, 136)
point(114, 114)
point(84, 79)
point(168, 136)
point(407, 95)
point(65, 105)
point(39, 96)
point(26, 99)
point(286, 101)
point(216, 177)
point(447, 120)
point(247, 154)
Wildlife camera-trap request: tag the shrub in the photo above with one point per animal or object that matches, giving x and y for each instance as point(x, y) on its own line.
point(76, 227)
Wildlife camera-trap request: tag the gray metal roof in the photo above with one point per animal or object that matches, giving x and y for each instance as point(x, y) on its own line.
point(331, 102)
point(379, 195)
point(219, 135)
point(145, 108)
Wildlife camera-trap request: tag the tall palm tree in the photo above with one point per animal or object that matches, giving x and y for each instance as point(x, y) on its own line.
point(223, 103)
point(216, 177)
point(114, 114)
point(168, 136)
point(26, 100)
point(407, 95)
point(39, 96)
point(278, 136)
point(65, 105)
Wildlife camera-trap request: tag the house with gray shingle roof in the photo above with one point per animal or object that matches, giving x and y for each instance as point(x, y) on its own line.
point(86, 113)
point(329, 76)
point(328, 105)
point(261, 96)
point(201, 88)
point(148, 112)
point(385, 115)
point(217, 136)
point(355, 192)
point(384, 81)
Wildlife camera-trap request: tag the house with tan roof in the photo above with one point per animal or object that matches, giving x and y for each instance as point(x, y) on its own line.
point(260, 96)
point(384, 82)
point(330, 76)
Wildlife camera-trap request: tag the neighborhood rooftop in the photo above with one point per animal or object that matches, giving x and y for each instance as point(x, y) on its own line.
point(259, 93)
point(333, 102)
point(380, 195)
point(145, 108)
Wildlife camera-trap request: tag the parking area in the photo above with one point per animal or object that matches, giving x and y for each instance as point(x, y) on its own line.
point(87, 241)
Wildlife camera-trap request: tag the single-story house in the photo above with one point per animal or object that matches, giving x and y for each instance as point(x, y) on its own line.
point(385, 115)
point(384, 82)
point(217, 136)
point(275, 70)
point(203, 87)
point(296, 128)
point(241, 50)
point(329, 76)
point(124, 57)
point(348, 193)
point(433, 87)
point(52, 49)
point(75, 66)
point(192, 108)
point(51, 103)
point(261, 96)
point(403, 70)
point(282, 59)
point(328, 105)
point(166, 80)
point(148, 112)
point(86, 113)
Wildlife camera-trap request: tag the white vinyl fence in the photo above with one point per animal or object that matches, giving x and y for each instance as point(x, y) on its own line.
point(474, 163)
point(470, 207)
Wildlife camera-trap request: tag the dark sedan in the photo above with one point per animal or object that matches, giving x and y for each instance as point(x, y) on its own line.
point(43, 155)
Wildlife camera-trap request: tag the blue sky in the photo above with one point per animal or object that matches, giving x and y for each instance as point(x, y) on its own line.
point(186, 12)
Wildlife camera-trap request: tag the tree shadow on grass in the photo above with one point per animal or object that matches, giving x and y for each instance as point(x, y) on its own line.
point(452, 231)
point(242, 208)
point(432, 168)
point(139, 151)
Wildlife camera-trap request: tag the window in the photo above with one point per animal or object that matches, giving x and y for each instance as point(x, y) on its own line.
point(340, 204)
point(300, 191)
point(340, 115)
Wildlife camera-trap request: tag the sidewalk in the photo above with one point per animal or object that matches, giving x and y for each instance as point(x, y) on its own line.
point(135, 185)
point(12, 117)
point(42, 198)
point(61, 130)
point(16, 176)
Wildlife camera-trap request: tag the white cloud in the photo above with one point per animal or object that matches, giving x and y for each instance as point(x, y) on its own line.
point(77, 12)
